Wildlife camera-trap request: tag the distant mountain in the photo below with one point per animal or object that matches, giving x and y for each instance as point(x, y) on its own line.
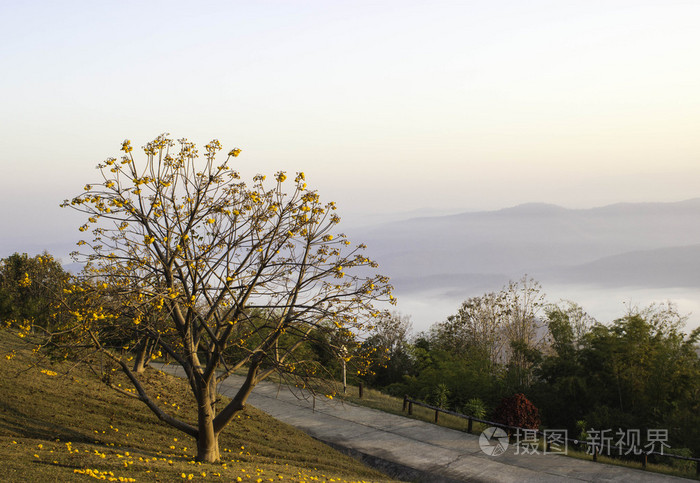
point(663, 267)
point(645, 244)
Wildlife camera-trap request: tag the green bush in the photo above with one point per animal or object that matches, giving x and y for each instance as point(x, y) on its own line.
point(440, 396)
point(475, 407)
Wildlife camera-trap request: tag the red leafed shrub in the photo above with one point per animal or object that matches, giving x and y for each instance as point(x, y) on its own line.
point(517, 411)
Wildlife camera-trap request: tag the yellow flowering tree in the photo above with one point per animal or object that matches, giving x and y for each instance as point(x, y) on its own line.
point(30, 289)
point(215, 273)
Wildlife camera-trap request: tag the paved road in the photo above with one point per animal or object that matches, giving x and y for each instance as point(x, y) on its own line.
point(421, 451)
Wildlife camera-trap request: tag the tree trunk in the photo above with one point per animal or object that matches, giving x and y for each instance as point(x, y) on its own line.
point(207, 444)
point(142, 356)
point(208, 438)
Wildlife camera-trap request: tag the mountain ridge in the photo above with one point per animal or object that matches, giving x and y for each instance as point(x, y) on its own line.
point(693, 203)
point(544, 240)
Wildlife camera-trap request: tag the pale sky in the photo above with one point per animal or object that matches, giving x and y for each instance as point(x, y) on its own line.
point(387, 106)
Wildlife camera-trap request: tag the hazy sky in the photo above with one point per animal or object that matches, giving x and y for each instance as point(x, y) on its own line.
point(387, 106)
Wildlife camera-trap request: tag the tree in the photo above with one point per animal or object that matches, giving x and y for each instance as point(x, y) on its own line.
point(643, 366)
point(502, 328)
point(219, 274)
point(30, 288)
point(390, 346)
point(523, 330)
point(562, 393)
point(568, 326)
point(477, 328)
point(489, 348)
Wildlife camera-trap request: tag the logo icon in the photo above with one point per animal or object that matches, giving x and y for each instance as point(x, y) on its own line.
point(493, 441)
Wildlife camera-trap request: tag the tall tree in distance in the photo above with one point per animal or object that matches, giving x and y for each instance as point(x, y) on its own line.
point(524, 330)
point(562, 391)
point(479, 327)
point(503, 328)
point(218, 274)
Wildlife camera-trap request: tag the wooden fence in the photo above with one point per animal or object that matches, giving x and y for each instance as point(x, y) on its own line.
point(644, 455)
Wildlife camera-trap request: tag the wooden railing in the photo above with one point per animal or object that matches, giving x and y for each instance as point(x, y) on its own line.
point(408, 404)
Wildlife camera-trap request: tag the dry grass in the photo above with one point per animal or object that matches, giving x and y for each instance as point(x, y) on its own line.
point(378, 400)
point(70, 427)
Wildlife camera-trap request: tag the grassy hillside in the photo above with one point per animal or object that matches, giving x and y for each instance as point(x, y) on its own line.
point(58, 422)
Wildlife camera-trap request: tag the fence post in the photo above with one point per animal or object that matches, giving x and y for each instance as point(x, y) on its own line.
point(697, 468)
point(469, 425)
point(405, 403)
point(644, 460)
point(359, 386)
point(595, 453)
point(410, 408)
point(437, 411)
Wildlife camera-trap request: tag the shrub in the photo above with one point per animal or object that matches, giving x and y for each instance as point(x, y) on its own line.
point(683, 465)
point(440, 396)
point(475, 407)
point(517, 411)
